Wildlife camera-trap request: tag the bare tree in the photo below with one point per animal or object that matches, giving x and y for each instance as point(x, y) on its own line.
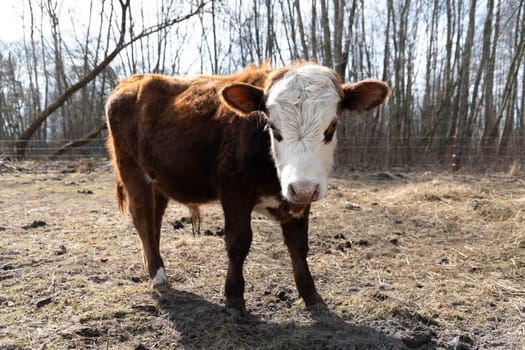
point(510, 93)
point(327, 30)
point(23, 139)
point(443, 82)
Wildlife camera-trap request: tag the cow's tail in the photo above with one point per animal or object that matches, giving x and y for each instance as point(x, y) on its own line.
point(121, 195)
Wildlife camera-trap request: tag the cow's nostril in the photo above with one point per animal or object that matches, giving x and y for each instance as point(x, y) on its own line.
point(291, 189)
point(315, 194)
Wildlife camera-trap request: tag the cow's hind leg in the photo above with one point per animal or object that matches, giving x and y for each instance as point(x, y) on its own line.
point(161, 202)
point(296, 238)
point(147, 206)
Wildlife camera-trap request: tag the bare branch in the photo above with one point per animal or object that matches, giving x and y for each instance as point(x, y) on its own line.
point(26, 135)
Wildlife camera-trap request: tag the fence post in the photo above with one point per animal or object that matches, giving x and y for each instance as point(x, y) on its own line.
point(455, 153)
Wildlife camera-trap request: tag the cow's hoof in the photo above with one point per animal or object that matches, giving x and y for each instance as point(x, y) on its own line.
point(312, 299)
point(160, 278)
point(315, 303)
point(236, 315)
point(318, 307)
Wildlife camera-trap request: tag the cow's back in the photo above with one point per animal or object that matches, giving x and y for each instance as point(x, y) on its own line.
point(135, 104)
point(178, 134)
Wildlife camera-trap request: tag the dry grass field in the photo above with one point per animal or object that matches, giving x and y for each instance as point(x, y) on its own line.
point(408, 260)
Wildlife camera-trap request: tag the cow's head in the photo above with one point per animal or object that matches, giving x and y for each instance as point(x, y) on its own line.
point(302, 105)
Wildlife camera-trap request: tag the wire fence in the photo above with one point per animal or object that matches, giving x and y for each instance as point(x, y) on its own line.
point(352, 153)
point(455, 153)
point(47, 150)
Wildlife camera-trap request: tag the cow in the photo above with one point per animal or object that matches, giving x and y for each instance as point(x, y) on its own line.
point(260, 139)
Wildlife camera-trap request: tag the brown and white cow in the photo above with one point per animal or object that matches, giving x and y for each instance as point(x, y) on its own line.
point(262, 139)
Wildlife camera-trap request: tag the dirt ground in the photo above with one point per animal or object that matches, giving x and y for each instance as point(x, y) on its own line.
point(404, 260)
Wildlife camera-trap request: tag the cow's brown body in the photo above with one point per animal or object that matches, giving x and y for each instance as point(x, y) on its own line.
point(175, 138)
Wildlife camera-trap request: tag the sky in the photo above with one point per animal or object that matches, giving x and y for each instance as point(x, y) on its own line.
point(74, 14)
point(12, 13)
point(73, 21)
point(11, 28)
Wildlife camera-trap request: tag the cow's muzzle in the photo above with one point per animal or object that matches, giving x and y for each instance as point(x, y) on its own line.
point(303, 192)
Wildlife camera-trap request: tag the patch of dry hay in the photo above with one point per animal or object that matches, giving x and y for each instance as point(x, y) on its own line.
point(441, 252)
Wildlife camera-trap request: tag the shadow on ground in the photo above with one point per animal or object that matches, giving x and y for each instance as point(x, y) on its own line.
point(201, 324)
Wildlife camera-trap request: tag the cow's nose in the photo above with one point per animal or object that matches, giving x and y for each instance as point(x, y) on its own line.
point(303, 192)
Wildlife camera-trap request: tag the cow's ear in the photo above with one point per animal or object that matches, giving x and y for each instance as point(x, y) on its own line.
point(365, 95)
point(243, 98)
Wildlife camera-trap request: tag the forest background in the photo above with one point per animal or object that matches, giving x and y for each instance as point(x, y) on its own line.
point(456, 69)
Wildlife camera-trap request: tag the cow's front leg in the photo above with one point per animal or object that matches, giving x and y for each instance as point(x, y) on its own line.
point(295, 234)
point(237, 214)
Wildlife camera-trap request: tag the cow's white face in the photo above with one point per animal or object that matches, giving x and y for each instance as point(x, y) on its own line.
point(301, 103)
point(302, 111)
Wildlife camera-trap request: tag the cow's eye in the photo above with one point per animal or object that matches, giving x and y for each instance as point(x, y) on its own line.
point(275, 131)
point(330, 131)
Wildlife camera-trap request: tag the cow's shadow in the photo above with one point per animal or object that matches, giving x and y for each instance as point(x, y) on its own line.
point(202, 324)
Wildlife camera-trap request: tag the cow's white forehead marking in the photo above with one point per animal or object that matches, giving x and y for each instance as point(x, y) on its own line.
point(302, 104)
point(302, 93)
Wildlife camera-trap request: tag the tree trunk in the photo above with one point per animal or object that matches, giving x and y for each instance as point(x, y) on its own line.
point(488, 56)
point(314, 31)
point(464, 75)
point(338, 28)
point(327, 45)
point(301, 29)
point(81, 141)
